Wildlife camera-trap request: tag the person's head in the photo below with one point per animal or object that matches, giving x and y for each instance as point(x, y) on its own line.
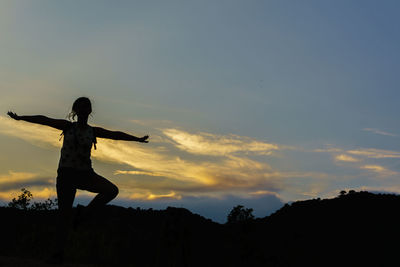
point(81, 107)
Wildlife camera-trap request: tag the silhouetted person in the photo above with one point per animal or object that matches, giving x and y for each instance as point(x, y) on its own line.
point(75, 167)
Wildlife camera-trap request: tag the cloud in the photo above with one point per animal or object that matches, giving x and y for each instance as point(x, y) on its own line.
point(151, 196)
point(223, 174)
point(138, 173)
point(13, 181)
point(217, 145)
point(346, 158)
point(342, 154)
point(264, 193)
point(35, 134)
point(369, 157)
point(156, 123)
point(361, 153)
point(43, 193)
point(17, 180)
point(328, 149)
point(8, 186)
point(375, 153)
point(379, 170)
point(377, 131)
point(16, 177)
point(316, 175)
point(375, 168)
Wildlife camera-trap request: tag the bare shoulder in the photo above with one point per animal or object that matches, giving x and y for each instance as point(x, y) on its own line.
point(60, 124)
point(55, 123)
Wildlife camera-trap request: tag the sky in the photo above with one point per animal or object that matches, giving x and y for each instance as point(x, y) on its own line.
point(254, 103)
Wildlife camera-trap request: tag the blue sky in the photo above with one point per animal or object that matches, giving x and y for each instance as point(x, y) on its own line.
point(260, 102)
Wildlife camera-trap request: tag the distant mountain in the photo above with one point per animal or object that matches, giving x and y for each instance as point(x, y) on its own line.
point(353, 229)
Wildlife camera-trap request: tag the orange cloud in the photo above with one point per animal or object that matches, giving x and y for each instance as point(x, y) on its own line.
point(218, 145)
point(347, 158)
point(151, 196)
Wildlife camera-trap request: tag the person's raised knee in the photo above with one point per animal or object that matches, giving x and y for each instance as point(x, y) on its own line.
point(114, 191)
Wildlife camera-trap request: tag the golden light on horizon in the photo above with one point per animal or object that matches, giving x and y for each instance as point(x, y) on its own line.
point(225, 171)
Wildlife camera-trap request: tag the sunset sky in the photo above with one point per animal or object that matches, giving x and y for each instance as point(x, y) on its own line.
point(256, 103)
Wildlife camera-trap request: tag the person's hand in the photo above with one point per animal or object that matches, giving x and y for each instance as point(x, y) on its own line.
point(13, 115)
point(144, 139)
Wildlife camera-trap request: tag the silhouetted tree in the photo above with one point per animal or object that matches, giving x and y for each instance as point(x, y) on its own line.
point(240, 214)
point(23, 200)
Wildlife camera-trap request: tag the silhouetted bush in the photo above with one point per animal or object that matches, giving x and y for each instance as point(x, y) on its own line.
point(48, 204)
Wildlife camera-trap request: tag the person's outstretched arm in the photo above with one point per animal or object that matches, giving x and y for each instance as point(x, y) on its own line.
point(116, 135)
point(40, 119)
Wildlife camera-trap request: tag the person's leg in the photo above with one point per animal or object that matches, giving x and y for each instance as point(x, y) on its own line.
point(65, 196)
point(106, 190)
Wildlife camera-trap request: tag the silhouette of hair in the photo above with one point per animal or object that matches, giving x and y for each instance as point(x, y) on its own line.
point(77, 103)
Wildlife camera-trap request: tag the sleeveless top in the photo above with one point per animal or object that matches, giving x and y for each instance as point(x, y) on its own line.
point(77, 145)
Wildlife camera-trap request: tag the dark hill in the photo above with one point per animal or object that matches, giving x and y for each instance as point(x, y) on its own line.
point(355, 229)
